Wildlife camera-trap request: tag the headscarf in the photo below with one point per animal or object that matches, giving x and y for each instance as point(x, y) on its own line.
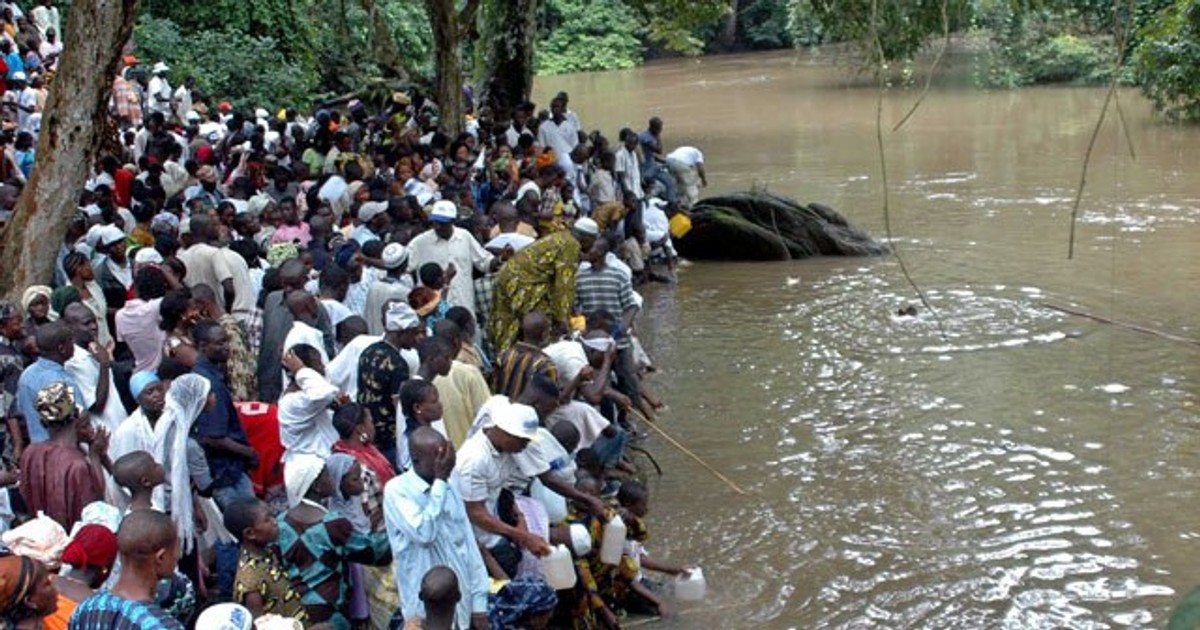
point(400, 316)
point(55, 404)
point(61, 298)
point(299, 475)
point(17, 575)
point(93, 547)
point(164, 221)
point(339, 464)
point(520, 597)
point(280, 252)
point(140, 381)
point(184, 401)
point(41, 538)
point(33, 293)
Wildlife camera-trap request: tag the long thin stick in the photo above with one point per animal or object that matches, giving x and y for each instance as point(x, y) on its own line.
point(1125, 325)
point(647, 422)
point(1087, 156)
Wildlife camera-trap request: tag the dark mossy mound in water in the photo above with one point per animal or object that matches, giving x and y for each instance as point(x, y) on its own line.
point(742, 226)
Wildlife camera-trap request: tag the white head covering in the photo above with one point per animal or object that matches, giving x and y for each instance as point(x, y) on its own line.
point(400, 316)
point(148, 256)
point(339, 465)
point(185, 400)
point(517, 420)
point(299, 474)
point(529, 187)
point(226, 616)
point(587, 226)
point(370, 210)
point(394, 255)
point(444, 211)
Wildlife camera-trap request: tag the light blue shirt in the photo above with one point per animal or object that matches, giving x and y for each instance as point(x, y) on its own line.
point(34, 379)
point(427, 526)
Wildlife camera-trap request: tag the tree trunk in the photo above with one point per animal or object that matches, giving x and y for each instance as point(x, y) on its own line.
point(72, 133)
point(383, 45)
point(728, 38)
point(443, 19)
point(508, 72)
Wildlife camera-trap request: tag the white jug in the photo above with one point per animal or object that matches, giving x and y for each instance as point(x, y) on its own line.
point(612, 545)
point(692, 587)
point(558, 569)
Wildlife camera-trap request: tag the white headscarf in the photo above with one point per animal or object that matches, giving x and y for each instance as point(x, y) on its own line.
point(339, 465)
point(185, 400)
point(299, 474)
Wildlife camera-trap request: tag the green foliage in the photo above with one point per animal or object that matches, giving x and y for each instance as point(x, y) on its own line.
point(1055, 42)
point(583, 35)
point(246, 70)
point(673, 24)
point(763, 25)
point(1167, 60)
point(804, 27)
point(884, 30)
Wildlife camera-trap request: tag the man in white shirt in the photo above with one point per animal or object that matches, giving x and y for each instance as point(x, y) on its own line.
point(183, 98)
point(560, 135)
point(446, 244)
point(45, 17)
point(627, 167)
point(27, 104)
point(427, 526)
point(485, 463)
point(305, 417)
point(687, 166)
point(92, 376)
point(159, 97)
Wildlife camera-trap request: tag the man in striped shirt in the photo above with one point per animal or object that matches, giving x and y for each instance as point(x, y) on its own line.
point(604, 287)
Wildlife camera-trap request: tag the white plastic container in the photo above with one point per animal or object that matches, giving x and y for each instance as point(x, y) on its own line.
point(612, 545)
point(558, 569)
point(581, 540)
point(692, 587)
point(555, 504)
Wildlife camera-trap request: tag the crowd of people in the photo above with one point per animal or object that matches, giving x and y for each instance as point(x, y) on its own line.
point(338, 371)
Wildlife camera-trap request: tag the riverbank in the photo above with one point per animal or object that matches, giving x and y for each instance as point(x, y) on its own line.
point(993, 477)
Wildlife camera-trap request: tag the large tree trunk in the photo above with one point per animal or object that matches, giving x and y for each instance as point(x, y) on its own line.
point(444, 20)
point(72, 132)
point(728, 38)
point(508, 71)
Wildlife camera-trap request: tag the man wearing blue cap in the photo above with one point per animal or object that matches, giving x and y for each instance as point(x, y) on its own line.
point(136, 433)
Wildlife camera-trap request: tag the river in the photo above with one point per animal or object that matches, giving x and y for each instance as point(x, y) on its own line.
point(1000, 465)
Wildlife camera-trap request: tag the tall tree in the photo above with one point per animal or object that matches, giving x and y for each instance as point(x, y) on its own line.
point(450, 27)
point(510, 29)
point(72, 133)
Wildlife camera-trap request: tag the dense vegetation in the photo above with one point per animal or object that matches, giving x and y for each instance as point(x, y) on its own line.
point(279, 52)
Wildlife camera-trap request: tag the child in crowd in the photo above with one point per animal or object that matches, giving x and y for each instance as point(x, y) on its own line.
point(601, 587)
point(262, 584)
point(421, 407)
point(634, 499)
point(138, 474)
point(317, 545)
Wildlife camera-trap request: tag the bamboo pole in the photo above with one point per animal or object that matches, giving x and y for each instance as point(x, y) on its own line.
point(1125, 325)
point(647, 422)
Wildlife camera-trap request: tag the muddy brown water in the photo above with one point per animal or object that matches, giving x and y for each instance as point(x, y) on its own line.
point(1014, 467)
